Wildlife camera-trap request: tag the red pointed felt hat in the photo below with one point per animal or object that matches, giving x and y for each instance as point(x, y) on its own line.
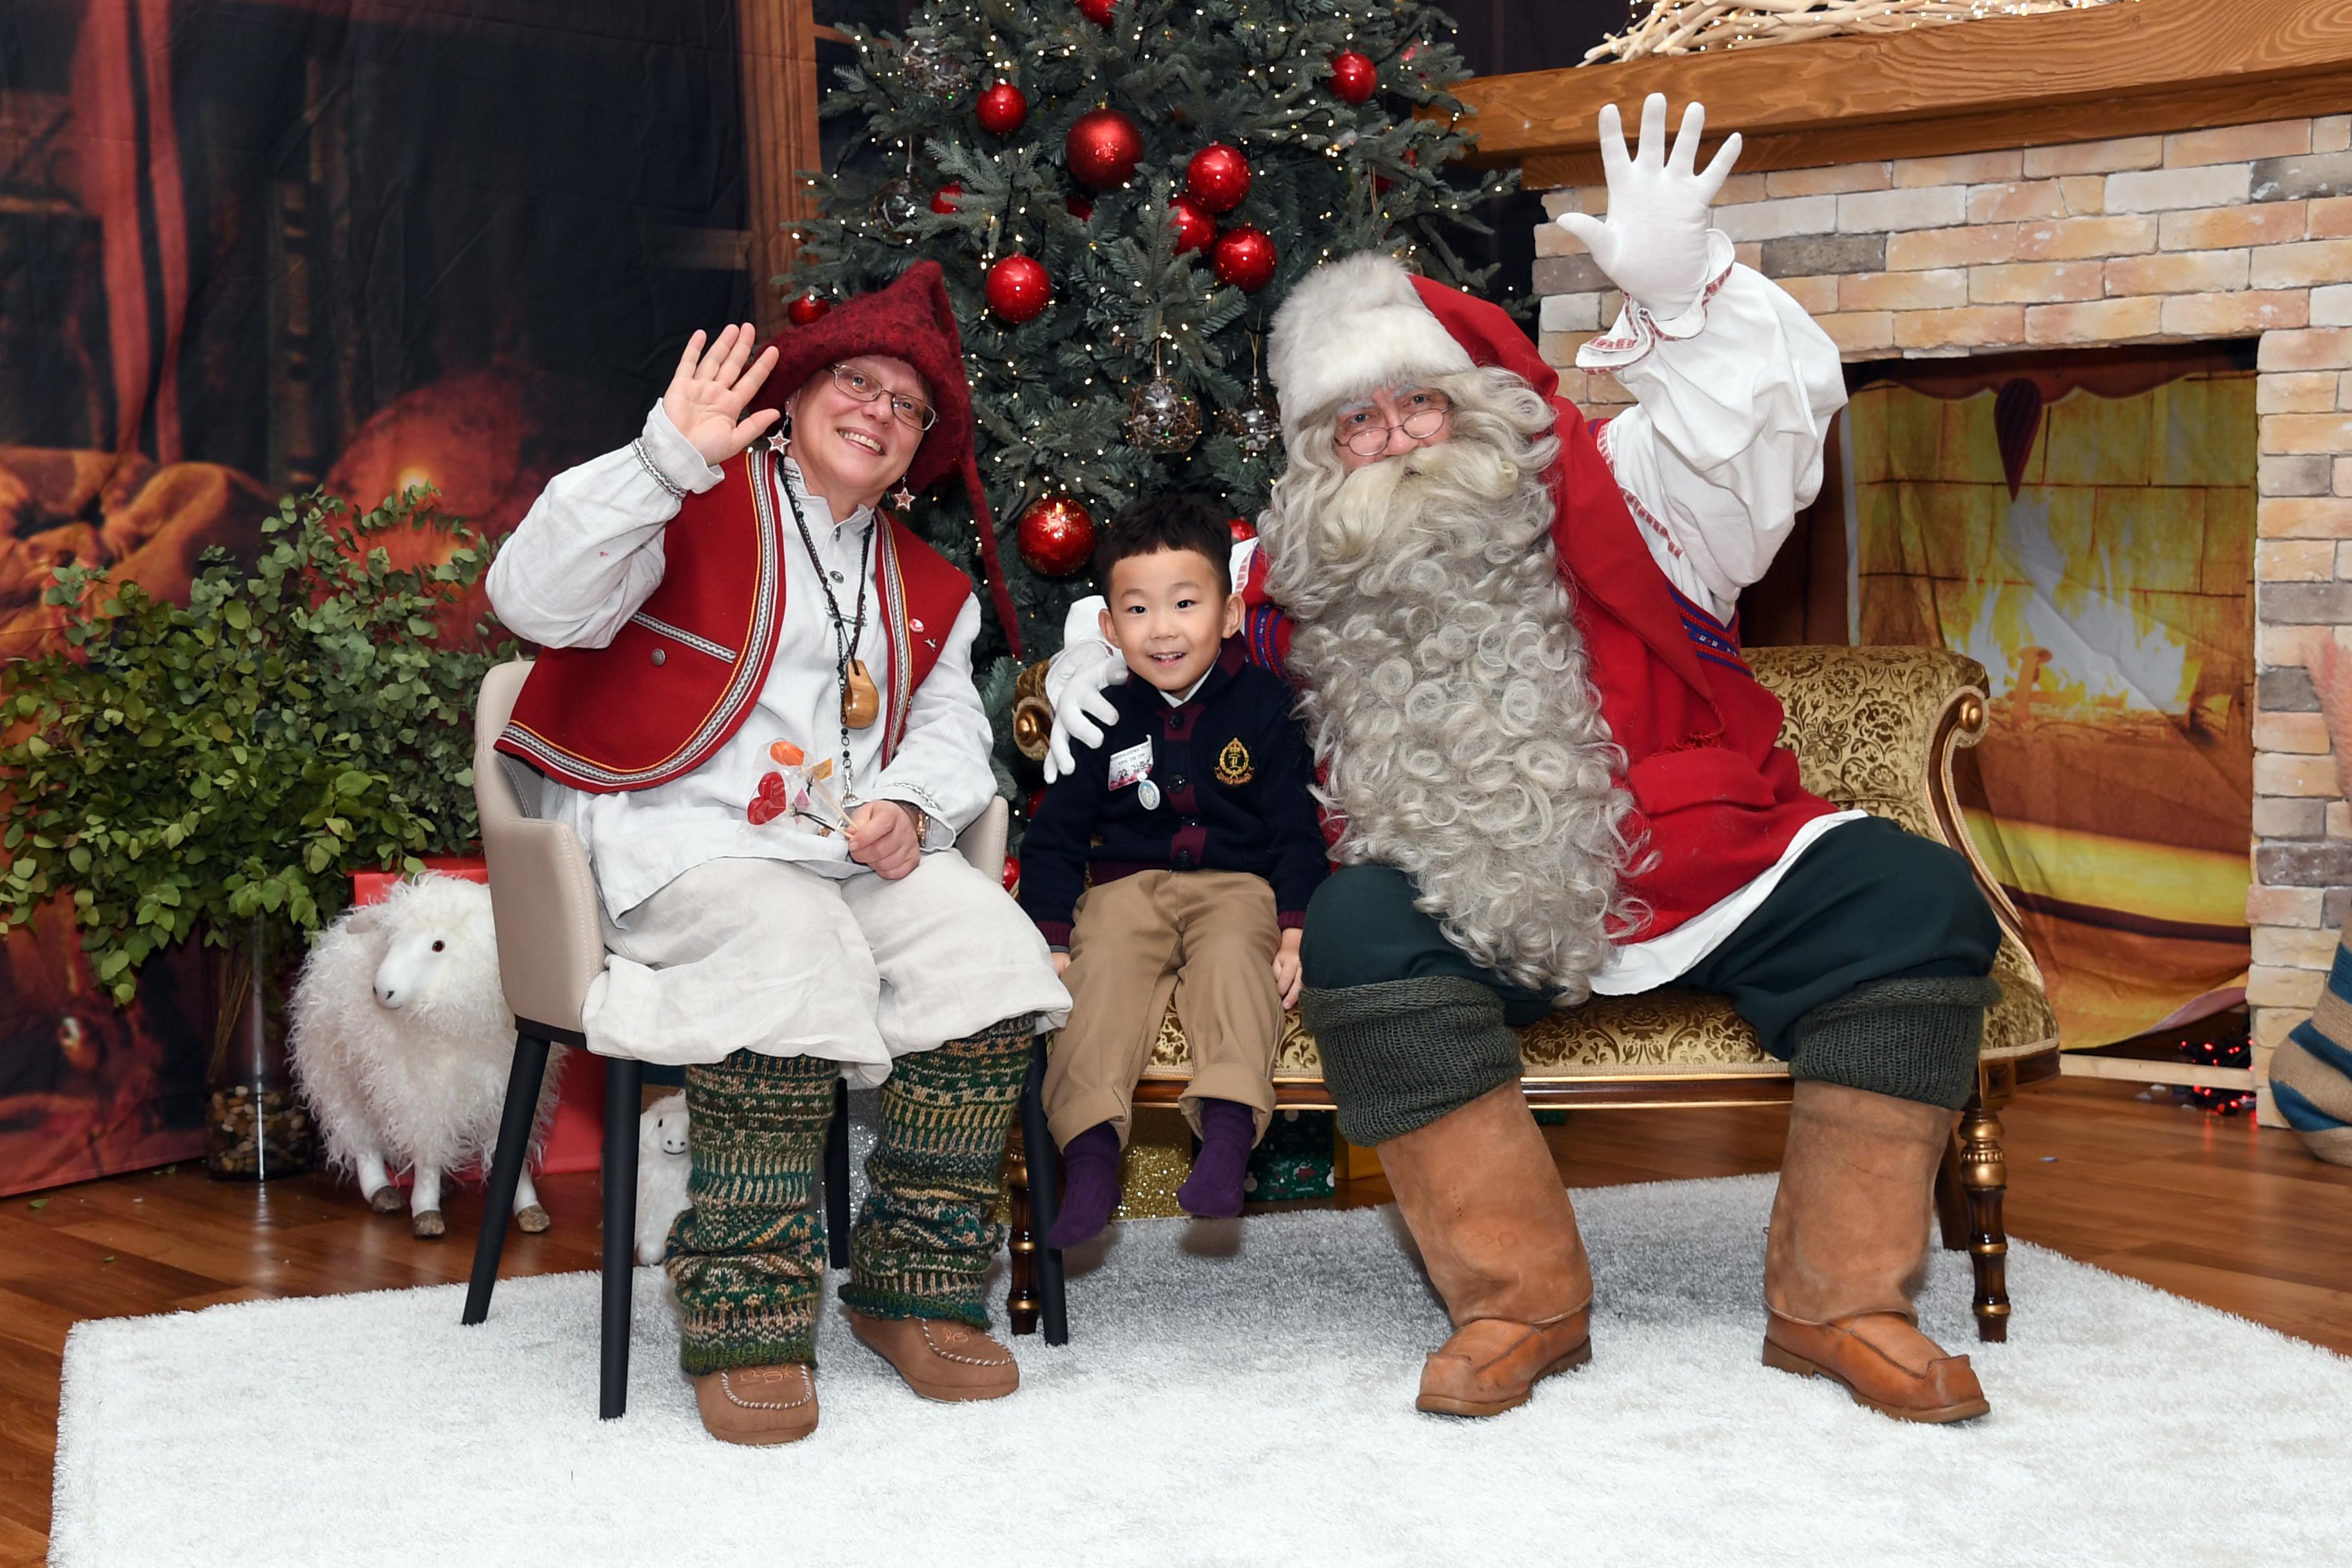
point(909, 319)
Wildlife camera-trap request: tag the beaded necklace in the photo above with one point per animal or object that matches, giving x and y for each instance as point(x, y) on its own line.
point(861, 702)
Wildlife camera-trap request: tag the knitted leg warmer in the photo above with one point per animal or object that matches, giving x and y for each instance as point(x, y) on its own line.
point(1913, 1036)
point(923, 1245)
point(1401, 1053)
point(748, 1255)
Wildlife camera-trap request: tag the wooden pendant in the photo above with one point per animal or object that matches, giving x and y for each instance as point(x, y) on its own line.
point(861, 704)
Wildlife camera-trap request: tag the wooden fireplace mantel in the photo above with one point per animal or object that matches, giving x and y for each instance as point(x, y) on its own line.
point(2131, 68)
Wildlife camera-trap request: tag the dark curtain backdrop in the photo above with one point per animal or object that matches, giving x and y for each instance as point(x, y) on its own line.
point(251, 248)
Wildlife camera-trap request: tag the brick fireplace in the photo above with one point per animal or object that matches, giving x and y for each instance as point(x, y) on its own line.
point(2174, 210)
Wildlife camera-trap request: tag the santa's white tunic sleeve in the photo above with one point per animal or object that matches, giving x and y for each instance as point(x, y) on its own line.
point(1724, 446)
point(1721, 451)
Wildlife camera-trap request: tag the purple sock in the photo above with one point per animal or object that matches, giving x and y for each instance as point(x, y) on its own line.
point(1089, 1186)
point(1228, 1133)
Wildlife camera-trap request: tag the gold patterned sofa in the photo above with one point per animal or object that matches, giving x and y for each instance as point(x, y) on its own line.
point(1873, 728)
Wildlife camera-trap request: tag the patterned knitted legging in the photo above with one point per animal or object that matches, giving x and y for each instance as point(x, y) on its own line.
point(748, 1255)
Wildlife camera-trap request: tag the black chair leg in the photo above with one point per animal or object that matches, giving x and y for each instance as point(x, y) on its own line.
point(1045, 1198)
point(622, 1096)
point(505, 1171)
point(836, 1179)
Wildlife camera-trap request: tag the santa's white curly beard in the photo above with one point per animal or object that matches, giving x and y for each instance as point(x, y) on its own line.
point(1442, 681)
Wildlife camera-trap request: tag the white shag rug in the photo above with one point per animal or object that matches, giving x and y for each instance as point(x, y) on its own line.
point(1235, 1391)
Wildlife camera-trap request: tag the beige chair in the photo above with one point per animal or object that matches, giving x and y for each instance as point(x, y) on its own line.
point(1875, 728)
point(551, 945)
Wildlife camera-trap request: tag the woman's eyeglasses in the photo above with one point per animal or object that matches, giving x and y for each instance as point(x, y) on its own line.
point(908, 411)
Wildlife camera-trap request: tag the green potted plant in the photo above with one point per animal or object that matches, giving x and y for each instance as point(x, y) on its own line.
point(217, 770)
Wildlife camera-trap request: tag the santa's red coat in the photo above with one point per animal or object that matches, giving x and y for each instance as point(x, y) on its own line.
point(678, 679)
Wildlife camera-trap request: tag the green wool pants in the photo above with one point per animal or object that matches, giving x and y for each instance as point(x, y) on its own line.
point(748, 1255)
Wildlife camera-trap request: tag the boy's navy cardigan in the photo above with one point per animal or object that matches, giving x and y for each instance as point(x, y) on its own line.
point(1231, 767)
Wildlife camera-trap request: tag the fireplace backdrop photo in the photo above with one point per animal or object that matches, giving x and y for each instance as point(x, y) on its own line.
point(2084, 526)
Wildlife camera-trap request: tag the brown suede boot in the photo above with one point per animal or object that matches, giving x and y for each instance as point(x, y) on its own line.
point(1482, 1199)
point(1849, 1230)
point(758, 1406)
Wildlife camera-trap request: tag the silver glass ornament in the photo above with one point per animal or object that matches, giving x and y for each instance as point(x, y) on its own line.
point(895, 207)
point(1162, 416)
point(1255, 424)
point(933, 71)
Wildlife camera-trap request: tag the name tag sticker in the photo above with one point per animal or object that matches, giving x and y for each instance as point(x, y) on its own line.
point(1130, 765)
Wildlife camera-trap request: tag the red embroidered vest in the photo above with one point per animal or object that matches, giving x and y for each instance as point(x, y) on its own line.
point(678, 679)
point(1717, 798)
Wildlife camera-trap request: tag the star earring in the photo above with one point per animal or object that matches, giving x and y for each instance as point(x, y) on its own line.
point(902, 498)
point(781, 440)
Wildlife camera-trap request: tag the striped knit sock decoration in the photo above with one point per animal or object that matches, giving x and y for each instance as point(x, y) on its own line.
point(748, 1255)
point(922, 1246)
point(2310, 1073)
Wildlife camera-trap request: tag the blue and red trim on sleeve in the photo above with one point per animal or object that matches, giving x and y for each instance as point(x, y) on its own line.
point(1717, 641)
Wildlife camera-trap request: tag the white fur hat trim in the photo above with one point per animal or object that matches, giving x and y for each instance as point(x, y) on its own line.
point(1351, 326)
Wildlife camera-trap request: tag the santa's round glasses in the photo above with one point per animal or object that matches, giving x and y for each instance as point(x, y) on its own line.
point(1363, 433)
point(905, 410)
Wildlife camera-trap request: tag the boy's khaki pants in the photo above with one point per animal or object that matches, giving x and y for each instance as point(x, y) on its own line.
point(1207, 938)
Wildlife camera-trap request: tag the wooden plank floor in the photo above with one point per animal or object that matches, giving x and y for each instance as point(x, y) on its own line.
point(2215, 1210)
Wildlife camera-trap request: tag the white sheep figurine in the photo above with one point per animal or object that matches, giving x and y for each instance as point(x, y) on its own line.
point(401, 1043)
point(663, 1166)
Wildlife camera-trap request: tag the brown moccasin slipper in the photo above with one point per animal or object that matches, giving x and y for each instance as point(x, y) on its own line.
point(758, 1405)
point(940, 1359)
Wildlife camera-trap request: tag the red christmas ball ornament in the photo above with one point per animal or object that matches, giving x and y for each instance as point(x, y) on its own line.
point(1096, 11)
point(1218, 177)
point(1012, 873)
point(1241, 528)
point(1194, 228)
point(1081, 208)
point(1002, 109)
point(1353, 76)
point(1018, 288)
point(943, 199)
point(1244, 257)
point(1056, 536)
point(1102, 148)
point(807, 309)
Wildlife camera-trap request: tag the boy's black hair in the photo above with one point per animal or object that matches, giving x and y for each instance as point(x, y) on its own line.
point(1176, 522)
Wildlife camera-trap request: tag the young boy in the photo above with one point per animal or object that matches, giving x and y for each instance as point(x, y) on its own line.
point(1194, 818)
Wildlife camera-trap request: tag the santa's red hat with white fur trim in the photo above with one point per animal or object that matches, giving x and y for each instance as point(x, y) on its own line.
point(1355, 325)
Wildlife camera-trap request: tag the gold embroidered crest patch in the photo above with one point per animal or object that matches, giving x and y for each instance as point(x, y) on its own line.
point(1233, 763)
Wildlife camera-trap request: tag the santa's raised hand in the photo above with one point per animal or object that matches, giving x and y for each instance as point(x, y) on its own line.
point(1652, 245)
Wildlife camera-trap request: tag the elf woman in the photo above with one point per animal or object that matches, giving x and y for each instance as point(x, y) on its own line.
point(756, 708)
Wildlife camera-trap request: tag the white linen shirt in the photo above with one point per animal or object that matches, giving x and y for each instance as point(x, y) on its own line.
point(589, 553)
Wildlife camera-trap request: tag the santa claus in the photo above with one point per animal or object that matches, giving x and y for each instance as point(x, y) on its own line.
point(1514, 637)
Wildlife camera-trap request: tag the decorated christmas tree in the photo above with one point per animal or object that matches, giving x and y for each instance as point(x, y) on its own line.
point(1120, 191)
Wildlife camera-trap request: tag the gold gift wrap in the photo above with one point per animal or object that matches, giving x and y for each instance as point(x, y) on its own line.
point(1159, 1158)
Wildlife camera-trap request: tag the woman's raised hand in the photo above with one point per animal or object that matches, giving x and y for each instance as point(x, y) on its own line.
point(711, 388)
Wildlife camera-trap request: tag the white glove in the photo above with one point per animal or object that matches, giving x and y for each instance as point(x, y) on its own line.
point(1075, 684)
point(1654, 245)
